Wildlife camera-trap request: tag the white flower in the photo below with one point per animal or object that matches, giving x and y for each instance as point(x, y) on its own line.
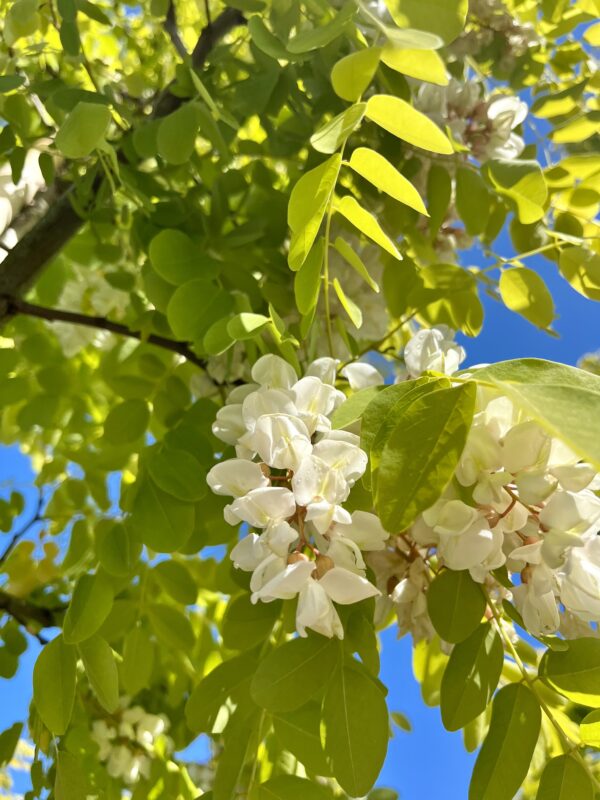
point(536, 603)
point(314, 400)
point(323, 514)
point(281, 440)
point(278, 537)
point(342, 455)
point(324, 368)
point(229, 424)
point(284, 584)
point(471, 547)
point(506, 113)
point(316, 611)
point(315, 480)
point(273, 372)
point(433, 349)
point(266, 401)
point(567, 511)
point(365, 530)
point(236, 477)
point(361, 375)
point(249, 552)
point(261, 506)
point(346, 587)
point(580, 581)
point(345, 553)
point(525, 446)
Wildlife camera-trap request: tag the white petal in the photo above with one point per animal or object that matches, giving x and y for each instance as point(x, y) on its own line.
point(229, 424)
point(316, 611)
point(365, 530)
point(236, 477)
point(361, 375)
point(278, 537)
point(248, 553)
point(287, 583)
point(266, 401)
point(345, 587)
point(282, 441)
point(324, 368)
point(262, 506)
point(274, 372)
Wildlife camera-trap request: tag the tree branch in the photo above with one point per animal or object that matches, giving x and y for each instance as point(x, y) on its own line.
point(173, 31)
point(26, 614)
point(40, 244)
point(15, 305)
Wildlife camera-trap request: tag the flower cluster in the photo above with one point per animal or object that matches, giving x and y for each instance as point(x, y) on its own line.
point(484, 126)
point(289, 482)
point(523, 499)
point(127, 741)
point(433, 350)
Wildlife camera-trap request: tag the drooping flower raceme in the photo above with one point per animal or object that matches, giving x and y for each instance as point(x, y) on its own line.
point(289, 482)
point(523, 500)
point(126, 741)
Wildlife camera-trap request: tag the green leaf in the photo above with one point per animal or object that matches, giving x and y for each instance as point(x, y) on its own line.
point(523, 183)
point(172, 627)
point(505, 756)
point(332, 136)
point(308, 201)
point(456, 605)
point(574, 673)
point(10, 82)
point(54, 677)
point(366, 223)
point(439, 194)
point(160, 520)
point(355, 262)
point(348, 305)
point(581, 267)
point(217, 339)
point(313, 38)
point(589, 729)
point(126, 422)
point(176, 137)
point(525, 292)
point(101, 669)
point(564, 778)
point(9, 739)
point(116, 551)
point(292, 674)
point(176, 580)
point(246, 325)
point(402, 120)
point(175, 256)
point(138, 661)
point(429, 663)
point(563, 399)
point(445, 18)
point(71, 779)
point(289, 787)
point(356, 729)
point(299, 733)
point(307, 281)
point(247, 624)
point(352, 74)
point(472, 200)
point(377, 170)
point(240, 731)
point(419, 457)
point(424, 65)
point(90, 605)
point(193, 308)
point(177, 473)
point(266, 41)
point(471, 677)
point(229, 679)
point(353, 408)
point(83, 130)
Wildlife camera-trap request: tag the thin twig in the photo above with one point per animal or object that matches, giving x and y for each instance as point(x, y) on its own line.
point(207, 9)
point(22, 531)
point(15, 305)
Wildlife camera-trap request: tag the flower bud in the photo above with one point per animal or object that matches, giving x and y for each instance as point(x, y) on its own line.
point(324, 564)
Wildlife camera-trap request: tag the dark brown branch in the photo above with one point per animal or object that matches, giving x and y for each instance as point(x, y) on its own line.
point(15, 305)
point(29, 615)
point(47, 238)
point(173, 31)
point(23, 531)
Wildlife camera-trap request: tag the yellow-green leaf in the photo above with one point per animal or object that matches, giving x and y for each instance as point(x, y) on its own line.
point(565, 778)
point(355, 262)
point(402, 120)
point(589, 730)
point(353, 74)
point(308, 201)
point(581, 267)
point(90, 605)
point(377, 170)
point(83, 130)
point(101, 669)
point(523, 183)
point(307, 281)
point(366, 223)
point(349, 305)
point(332, 135)
point(445, 18)
point(525, 292)
point(424, 65)
point(54, 677)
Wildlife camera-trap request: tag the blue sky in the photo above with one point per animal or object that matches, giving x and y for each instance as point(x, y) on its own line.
point(429, 762)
